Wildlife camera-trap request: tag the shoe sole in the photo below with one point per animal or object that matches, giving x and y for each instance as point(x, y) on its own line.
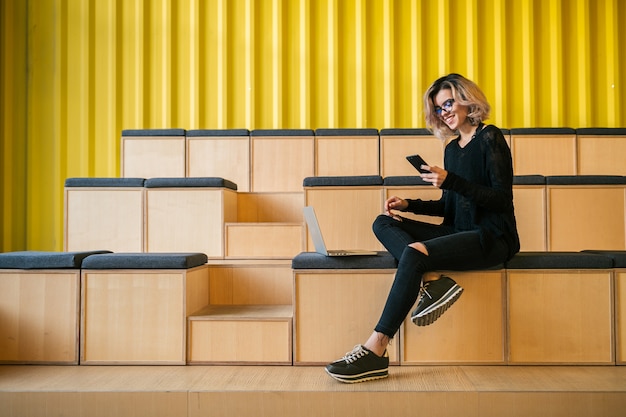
point(432, 313)
point(368, 376)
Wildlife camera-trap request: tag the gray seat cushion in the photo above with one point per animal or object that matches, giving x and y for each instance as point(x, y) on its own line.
point(314, 260)
point(529, 180)
point(405, 132)
point(199, 182)
point(343, 181)
point(45, 260)
point(559, 260)
point(596, 131)
point(585, 179)
point(618, 256)
point(104, 182)
point(543, 131)
point(153, 132)
point(402, 180)
point(283, 132)
point(145, 260)
point(346, 132)
point(217, 133)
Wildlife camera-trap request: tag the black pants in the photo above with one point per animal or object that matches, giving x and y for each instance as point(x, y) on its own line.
point(447, 250)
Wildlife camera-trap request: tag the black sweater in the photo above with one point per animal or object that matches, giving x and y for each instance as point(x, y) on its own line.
point(478, 190)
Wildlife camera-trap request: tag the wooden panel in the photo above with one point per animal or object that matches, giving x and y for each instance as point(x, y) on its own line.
point(344, 156)
point(153, 157)
point(530, 214)
point(601, 155)
point(281, 163)
point(98, 403)
point(224, 335)
point(223, 157)
point(138, 316)
point(188, 220)
point(394, 150)
point(561, 317)
point(251, 284)
point(544, 154)
point(586, 217)
point(270, 207)
point(39, 316)
point(620, 315)
point(415, 192)
point(471, 331)
point(264, 240)
point(346, 215)
point(196, 289)
point(335, 310)
point(104, 218)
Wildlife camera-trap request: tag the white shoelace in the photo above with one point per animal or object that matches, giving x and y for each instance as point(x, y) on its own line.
point(423, 290)
point(354, 354)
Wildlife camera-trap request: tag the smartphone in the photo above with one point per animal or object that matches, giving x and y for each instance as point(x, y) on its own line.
point(417, 161)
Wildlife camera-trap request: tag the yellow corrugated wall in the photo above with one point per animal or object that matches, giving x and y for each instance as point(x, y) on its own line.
point(74, 73)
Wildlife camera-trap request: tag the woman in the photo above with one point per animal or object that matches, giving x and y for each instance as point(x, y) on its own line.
point(478, 229)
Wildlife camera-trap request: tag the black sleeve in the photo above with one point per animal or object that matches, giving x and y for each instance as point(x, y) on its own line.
point(428, 207)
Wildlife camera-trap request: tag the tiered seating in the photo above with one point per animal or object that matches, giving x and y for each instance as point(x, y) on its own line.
point(251, 233)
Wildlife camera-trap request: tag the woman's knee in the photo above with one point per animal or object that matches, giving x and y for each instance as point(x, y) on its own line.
point(381, 222)
point(419, 246)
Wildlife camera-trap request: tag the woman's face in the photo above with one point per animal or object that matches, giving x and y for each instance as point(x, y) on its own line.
point(450, 112)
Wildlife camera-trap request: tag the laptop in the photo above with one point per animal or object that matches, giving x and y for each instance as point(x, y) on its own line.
point(318, 240)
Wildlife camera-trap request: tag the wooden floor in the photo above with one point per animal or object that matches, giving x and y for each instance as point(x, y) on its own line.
point(259, 391)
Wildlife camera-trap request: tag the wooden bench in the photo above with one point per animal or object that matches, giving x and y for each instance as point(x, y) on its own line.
point(560, 308)
point(333, 299)
point(586, 212)
point(104, 213)
point(345, 207)
point(150, 153)
point(539, 308)
point(40, 306)
point(188, 214)
point(134, 306)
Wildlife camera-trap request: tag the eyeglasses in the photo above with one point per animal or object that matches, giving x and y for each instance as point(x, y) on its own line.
point(447, 106)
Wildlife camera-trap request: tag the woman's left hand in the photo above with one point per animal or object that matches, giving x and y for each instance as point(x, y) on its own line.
point(436, 176)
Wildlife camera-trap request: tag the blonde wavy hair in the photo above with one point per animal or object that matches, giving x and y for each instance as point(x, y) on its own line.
point(464, 92)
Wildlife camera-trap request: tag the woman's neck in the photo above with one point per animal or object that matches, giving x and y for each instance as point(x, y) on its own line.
point(468, 132)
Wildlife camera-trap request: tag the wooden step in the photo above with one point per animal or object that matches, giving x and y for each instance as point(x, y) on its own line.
point(263, 240)
point(270, 391)
point(243, 334)
point(250, 282)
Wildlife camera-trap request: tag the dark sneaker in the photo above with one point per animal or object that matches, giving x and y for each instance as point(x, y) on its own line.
point(435, 298)
point(361, 364)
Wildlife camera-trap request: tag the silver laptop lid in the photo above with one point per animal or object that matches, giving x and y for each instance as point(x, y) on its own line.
point(314, 230)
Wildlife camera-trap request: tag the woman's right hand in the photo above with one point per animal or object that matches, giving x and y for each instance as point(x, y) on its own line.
point(395, 203)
